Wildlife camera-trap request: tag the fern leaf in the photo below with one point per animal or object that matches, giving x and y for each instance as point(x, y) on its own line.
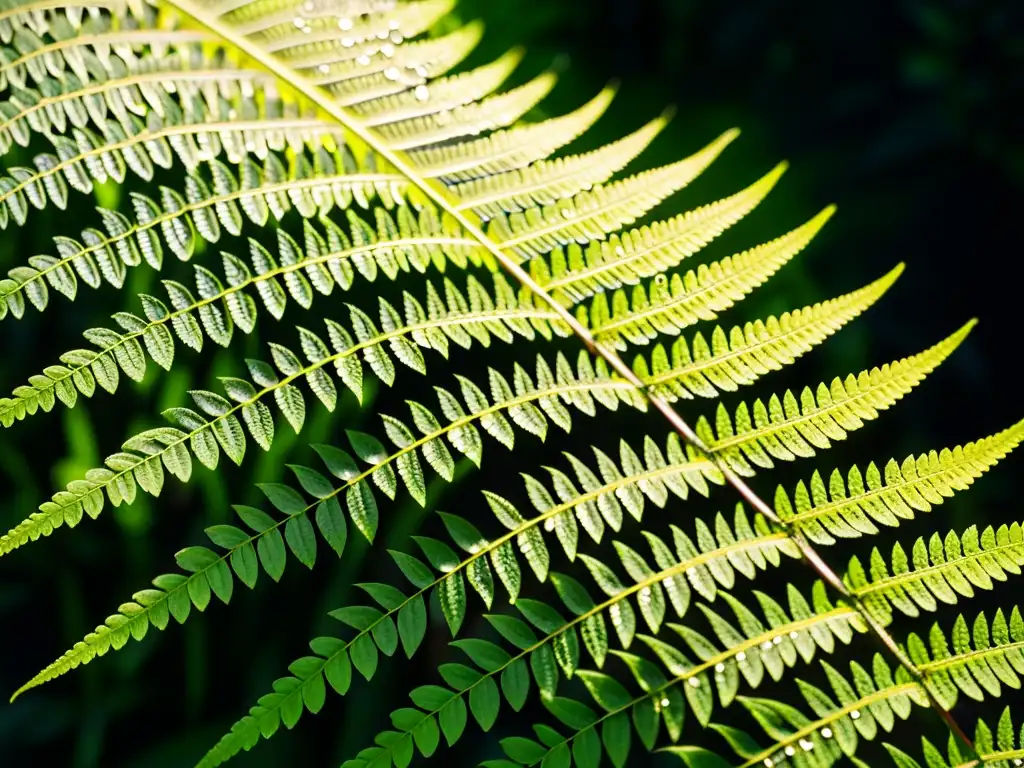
point(856, 506)
point(369, 31)
point(668, 306)
point(942, 570)
point(444, 94)
point(365, 77)
point(982, 660)
point(787, 428)
point(576, 273)
point(498, 111)
point(549, 181)
point(513, 148)
point(596, 213)
point(744, 354)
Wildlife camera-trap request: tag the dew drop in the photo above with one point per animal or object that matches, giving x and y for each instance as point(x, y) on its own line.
point(299, 22)
point(363, 60)
point(421, 71)
point(719, 668)
point(388, 50)
point(794, 635)
point(741, 656)
point(694, 682)
point(768, 762)
point(790, 751)
point(549, 525)
point(309, 6)
point(826, 733)
point(767, 645)
point(324, 69)
point(664, 703)
point(806, 745)
point(422, 93)
point(392, 73)
point(347, 42)
point(776, 640)
point(396, 38)
point(855, 715)
point(344, 23)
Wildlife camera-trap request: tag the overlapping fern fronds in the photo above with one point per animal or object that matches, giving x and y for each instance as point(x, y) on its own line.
point(331, 148)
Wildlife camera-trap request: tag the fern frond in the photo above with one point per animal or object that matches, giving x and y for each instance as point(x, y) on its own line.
point(549, 181)
point(940, 571)
point(855, 507)
point(143, 459)
point(787, 428)
point(397, 245)
point(744, 354)
point(322, 105)
point(669, 305)
point(576, 273)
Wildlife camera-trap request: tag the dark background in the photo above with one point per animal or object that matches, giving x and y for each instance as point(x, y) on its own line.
point(905, 113)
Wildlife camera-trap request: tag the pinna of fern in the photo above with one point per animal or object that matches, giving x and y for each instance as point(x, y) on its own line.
point(346, 116)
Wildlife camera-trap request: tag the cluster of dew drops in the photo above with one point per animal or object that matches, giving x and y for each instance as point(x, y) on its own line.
point(413, 75)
